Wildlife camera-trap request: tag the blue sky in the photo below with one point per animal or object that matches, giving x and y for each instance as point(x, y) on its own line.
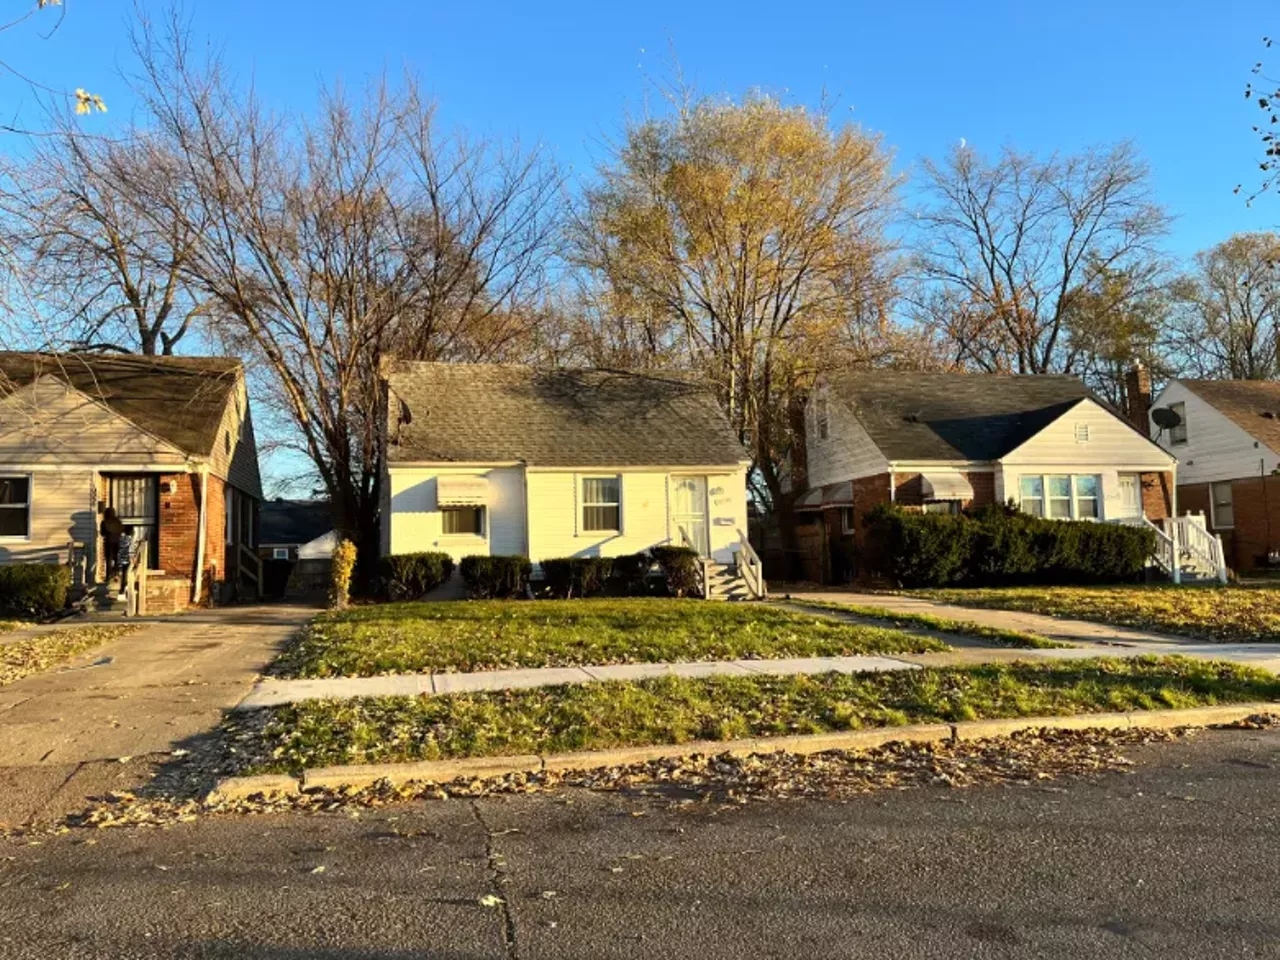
point(1040, 76)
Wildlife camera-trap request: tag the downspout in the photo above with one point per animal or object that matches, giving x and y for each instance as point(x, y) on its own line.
point(200, 534)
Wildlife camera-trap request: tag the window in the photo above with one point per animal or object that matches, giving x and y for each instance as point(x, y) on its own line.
point(1031, 490)
point(15, 507)
point(1086, 498)
point(950, 507)
point(1059, 504)
point(823, 416)
point(463, 521)
point(1221, 510)
point(1061, 496)
point(601, 503)
point(280, 553)
point(846, 519)
point(1178, 434)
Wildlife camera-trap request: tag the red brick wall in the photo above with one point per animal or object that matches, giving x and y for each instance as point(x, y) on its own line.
point(867, 492)
point(909, 493)
point(179, 527)
point(1157, 495)
point(1256, 506)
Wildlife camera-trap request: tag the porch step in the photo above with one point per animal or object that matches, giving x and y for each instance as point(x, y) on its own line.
point(724, 582)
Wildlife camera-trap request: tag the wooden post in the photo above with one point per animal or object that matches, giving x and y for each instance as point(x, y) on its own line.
point(144, 561)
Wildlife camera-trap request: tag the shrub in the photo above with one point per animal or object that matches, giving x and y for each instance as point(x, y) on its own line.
point(681, 567)
point(407, 576)
point(998, 546)
point(496, 577)
point(631, 573)
point(344, 563)
point(576, 576)
point(33, 589)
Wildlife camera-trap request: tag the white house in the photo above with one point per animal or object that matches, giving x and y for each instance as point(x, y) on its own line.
point(1227, 443)
point(945, 441)
point(508, 459)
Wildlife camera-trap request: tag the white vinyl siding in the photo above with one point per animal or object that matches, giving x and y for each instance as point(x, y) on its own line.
point(1112, 443)
point(415, 522)
point(1217, 448)
point(846, 452)
point(63, 509)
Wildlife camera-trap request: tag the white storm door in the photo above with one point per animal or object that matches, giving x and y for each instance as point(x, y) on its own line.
point(1130, 495)
point(689, 511)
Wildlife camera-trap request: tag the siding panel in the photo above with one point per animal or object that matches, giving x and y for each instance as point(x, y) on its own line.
point(63, 508)
point(847, 453)
point(1216, 448)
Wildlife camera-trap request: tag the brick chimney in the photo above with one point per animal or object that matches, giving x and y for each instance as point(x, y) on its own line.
point(1137, 397)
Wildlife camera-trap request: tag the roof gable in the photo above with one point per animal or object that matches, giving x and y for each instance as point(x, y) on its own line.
point(1107, 439)
point(294, 521)
point(181, 400)
point(498, 413)
point(1252, 405)
point(913, 416)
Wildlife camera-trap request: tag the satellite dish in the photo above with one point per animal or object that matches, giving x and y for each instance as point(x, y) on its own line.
point(1166, 418)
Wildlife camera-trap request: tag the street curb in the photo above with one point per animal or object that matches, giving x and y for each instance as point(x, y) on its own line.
point(480, 768)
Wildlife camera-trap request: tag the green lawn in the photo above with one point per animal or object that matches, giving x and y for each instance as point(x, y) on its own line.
point(1235, 614)
point(1007, 638)
point(497, 634)
point(676, 710)
point(21, 658)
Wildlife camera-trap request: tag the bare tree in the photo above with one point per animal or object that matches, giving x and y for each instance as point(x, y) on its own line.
point(108, 272)
point(326, 246)
point(1227, 311)
point(1007, 244)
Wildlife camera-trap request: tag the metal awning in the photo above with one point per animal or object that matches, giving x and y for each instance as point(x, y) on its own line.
point(838, 494)
point(462, 491)
point(812, 500)
point(945, 486)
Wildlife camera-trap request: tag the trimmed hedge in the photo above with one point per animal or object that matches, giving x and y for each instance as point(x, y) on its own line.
point(33, 589)
point(407, 576)
point(490, 578)
point(567, 577)
point(999, 546)
point(631, 573)
point(680, 568)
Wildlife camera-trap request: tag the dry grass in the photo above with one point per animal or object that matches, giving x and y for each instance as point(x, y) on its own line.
point(22, 658)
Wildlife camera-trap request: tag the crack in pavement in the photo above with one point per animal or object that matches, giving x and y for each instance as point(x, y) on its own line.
point(494, 871)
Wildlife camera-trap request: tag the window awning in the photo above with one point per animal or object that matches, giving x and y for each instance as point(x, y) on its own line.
point(838, 494)
point(811, 500)
point(945, 486)
point(462, 491)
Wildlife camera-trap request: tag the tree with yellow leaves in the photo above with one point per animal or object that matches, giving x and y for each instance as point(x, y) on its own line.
point(744, 241)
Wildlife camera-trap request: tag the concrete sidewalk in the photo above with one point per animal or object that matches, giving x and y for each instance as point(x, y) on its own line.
point(104, 720)
point(1099, 638)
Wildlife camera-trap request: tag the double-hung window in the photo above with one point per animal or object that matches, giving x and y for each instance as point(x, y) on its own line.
point(462, 521)
point(1031, 492)
point(1221, 508)
point(15, 507)
point(601, 504)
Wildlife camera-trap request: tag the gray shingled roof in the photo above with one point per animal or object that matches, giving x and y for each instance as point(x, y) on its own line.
point(178, 399)
point(1253, 405)
point(488, 413)
point(954, 416)
point(294, 521)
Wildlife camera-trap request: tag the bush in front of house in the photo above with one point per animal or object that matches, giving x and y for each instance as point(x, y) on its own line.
point(33, 589)
point(407, 576)
point(631, 574)
point(999, 546)
point(496, 577)
point(680, 567)
point(344, 565)
point(566, 577)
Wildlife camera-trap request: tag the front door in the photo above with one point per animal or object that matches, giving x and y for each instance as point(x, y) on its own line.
point(135, 500)
point(689, 511)
point(1130, 496)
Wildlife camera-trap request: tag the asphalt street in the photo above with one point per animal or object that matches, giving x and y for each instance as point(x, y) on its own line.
point(1180, 857)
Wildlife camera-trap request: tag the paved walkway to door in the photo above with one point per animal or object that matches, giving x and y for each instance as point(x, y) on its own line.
point(90, 727)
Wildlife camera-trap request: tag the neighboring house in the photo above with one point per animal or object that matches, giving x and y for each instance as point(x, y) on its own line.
point(165, 441)
point(298, 537)
point(946, 441)
point(507, 459)
point(1228, 450)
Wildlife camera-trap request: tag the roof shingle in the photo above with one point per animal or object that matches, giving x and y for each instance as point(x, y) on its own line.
point(1253, 405)
point(487, 413)
point(954, 416)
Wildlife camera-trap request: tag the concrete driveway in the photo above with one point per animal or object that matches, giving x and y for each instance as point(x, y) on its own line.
point(102, 722)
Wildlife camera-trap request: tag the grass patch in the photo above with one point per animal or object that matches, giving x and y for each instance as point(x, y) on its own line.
point(22, 658)
point(1006, 638)
point(1221, 613)
point(676, 710)
point(8, 626)
point(498, 634)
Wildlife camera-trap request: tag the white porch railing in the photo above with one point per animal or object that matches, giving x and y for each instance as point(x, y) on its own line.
point(1196, 543)
point(750, 568)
